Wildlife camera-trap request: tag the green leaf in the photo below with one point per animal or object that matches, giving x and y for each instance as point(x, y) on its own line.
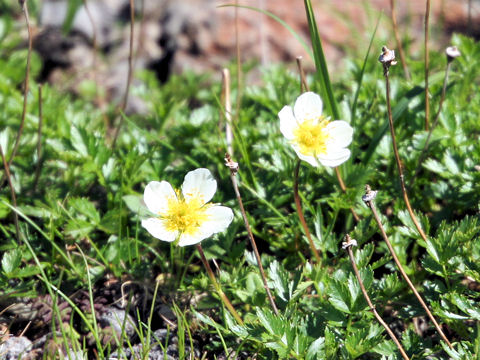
point(339, 296)
point(270, 322)
point(87, 208)
point(386, 348)
point(315, 350)
point(11, 261)
point(358, 300)
point(78, 228)
point(362, 72)
point(280, 278)
point(72, 8)
point(136, 205)
point(397, 111)
point(466, 305)
point(78, 137)
point(320, 63)
point(451, 163)
point(363, 339)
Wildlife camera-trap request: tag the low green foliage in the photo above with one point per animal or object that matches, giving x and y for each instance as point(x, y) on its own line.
point(80, 219)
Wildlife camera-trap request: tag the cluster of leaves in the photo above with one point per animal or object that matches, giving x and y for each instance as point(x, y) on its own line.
point(79, 214)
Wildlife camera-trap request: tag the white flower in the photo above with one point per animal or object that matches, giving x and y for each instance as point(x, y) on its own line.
point(185, 215)
point(314, 138)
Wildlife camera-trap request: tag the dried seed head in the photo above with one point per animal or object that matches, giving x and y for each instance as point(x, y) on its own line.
point(369, 194)
point(348, 242)
point(387, 56)
point(232, 165)
point(452, 52)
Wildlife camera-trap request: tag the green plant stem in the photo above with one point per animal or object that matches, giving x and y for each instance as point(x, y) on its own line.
point(372, 307)
point(298, 205)
point(433, 126)
point(250, 236)
point(51, 288)
point(12, 192)
point(344, 189)
point(219, 290)
point(399, 163)
point(38, 167)
point(150, 316)
point(398, 41)
point(129, 75)
point(90, 291)
point(371, 205)
point(427, 100)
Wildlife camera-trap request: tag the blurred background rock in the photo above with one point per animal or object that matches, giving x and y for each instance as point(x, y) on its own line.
point(200, 35)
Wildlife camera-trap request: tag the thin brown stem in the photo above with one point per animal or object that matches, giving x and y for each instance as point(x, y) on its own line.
point(219, 290)
point(370, 204)
point(344, 189)
point(239, 63)
point(228, 110)
point(141, 34)
point(298, 205)
point(25, 329)
point(303, 78)
point(469, 18)
point(372, 307)
point(434, 125)
point(129, 75)
point(427, 100)
point(399, 42)
point(39, 138)
point(233, 171)
point(399, 163)
point(26, 86)
point(12, 192)
point(98, 97)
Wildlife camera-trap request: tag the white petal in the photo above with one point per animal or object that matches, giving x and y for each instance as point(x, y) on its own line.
point(199, 183)
point(334, 158)
point(310, 159)
point(287, 122)
point(156, 228)
point(186, 240)
point(156, 196)
point(340, 134)
point(219, 219)
point(308, 106)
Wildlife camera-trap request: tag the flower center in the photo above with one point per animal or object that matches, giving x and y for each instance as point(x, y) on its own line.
point(185, 216)
point(311, 138)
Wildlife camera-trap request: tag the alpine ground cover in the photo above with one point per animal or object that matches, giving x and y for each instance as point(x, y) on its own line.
point(77, 208)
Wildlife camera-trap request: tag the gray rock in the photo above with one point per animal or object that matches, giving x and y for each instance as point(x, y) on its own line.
point(75, 355)
point(115, 318)
point(53, 14)
point(15, 348)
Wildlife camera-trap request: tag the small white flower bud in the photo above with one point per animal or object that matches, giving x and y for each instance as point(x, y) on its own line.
point(452, 52)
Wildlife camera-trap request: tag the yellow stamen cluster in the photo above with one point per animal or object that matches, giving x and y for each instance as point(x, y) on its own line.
point(311, 138)
point(185, 216)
